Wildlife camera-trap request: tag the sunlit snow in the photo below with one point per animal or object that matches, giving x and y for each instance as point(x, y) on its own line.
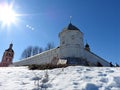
point(70, 78)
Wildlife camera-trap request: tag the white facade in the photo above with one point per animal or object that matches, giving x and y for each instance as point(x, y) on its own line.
point(71, 43)
point(71, 46)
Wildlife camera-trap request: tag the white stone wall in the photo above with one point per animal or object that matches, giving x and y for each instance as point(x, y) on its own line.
point(71, 43)
point(70, 51)
point(71, 37)
point(42, 58)
point(93, 58)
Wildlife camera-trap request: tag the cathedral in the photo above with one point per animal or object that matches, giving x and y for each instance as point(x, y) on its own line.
point(71, 49)
point(7, 57)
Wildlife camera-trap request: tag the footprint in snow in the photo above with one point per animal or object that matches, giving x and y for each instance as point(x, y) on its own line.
point(110, 71)
point(104, 80)
point(75, 83)
point(101, 74)
point(79, 71)
point(116, 82)
point(88, 69)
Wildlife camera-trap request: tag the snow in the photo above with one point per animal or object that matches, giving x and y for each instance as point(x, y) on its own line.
point(69, 78)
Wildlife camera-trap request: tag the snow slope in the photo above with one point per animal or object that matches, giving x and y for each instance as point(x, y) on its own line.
point(70, 78)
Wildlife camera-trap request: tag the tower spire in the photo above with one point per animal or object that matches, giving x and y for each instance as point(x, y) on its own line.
point(70, 19)
point(11, 45)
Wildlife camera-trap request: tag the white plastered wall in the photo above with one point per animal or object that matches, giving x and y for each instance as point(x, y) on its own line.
point(71, 43)
point(42, 58)
point(93, 58)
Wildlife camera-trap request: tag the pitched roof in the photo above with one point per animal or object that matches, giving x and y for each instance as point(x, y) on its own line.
point(72, 27)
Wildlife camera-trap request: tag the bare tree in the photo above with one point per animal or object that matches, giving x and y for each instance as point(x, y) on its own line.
point(27, 52)
point(35, 50)
point(40, 50)
point(50, 45)
point(24, 54)
point(30, 51)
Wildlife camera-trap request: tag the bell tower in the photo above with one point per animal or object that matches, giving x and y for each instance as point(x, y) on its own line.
point(7, 56)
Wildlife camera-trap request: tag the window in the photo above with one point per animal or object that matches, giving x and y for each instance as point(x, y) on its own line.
point(73, 37)
point(9, 54)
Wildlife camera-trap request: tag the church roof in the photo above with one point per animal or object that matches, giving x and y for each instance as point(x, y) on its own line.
point(10, 50)
point(72, 27)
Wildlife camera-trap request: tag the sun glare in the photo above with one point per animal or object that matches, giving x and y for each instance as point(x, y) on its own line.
point(7, 15)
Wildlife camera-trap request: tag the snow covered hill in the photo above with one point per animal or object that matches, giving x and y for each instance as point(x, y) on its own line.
point(70, 78)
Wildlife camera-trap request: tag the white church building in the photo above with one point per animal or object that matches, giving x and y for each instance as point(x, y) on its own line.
point(71, 49)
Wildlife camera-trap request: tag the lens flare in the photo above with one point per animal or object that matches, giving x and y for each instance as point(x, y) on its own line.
point(7, 14)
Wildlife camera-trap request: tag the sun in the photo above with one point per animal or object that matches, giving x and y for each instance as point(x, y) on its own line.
point(7, 14)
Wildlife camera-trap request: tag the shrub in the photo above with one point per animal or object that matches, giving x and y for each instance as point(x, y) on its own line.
point(99, 64)
point(46, 66)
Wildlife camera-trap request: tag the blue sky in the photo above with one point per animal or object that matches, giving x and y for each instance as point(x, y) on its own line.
point(40, 22)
